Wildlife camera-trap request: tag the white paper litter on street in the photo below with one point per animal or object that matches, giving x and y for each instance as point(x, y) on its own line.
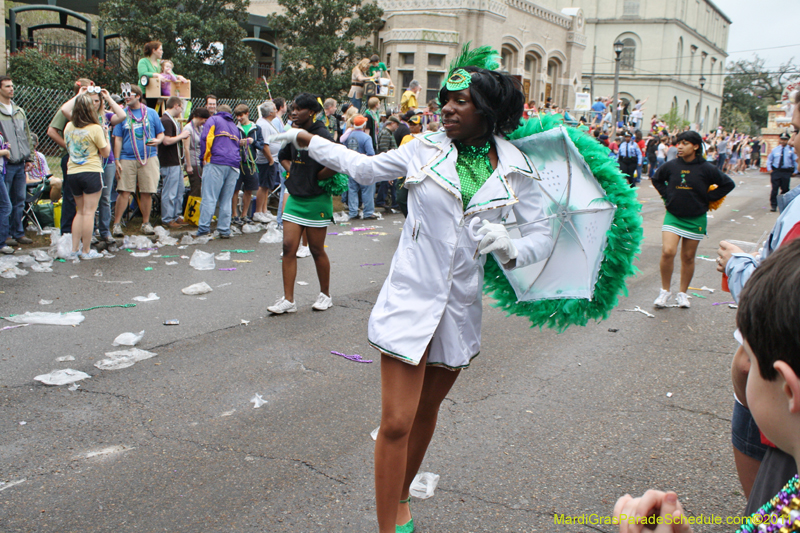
point(140, 254)
point(50, 319)
point(45, 302)
point(74, 386)
point(42, 267)
point(374, 433)
point(638, 309)
point(149, 298)
point(65, 358)
point(170, 263)
point(669, 395)
point(128, 339)
point(4, 486)
point(197, 288)
point(423, 485)
point(62, 377)
point(224, 256)
point(202, 260)
point(257, 401)
point(748, 216)
point(302, 283)
point(123, 359)
point(244, 322)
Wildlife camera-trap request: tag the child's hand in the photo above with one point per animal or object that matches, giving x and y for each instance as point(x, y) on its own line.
point(663, 507)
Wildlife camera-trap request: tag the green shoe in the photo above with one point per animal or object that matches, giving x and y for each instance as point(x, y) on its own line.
point(408, 527)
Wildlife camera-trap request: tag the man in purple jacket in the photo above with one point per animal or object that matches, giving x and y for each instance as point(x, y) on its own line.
point(219, 142)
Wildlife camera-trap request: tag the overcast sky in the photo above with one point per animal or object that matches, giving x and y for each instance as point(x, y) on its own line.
point(763, 24)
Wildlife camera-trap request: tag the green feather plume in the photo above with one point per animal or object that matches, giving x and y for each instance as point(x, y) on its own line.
point(623, 242)
point(336, 185)
point(483, 57)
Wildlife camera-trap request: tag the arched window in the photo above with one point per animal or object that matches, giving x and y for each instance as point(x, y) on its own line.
point(628, 57)
point(508, 58)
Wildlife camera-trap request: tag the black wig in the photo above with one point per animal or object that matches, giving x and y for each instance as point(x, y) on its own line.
point(307, 101)
point(496, 96)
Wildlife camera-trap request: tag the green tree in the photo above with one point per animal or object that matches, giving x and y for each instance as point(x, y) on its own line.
point(674, 121)
point(319, 44)
point(201, 37)
point(749, 89)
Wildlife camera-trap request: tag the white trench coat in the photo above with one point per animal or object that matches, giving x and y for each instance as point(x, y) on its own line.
point(433, 292)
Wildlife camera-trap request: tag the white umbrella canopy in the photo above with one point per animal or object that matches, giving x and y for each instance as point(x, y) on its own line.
point(579, 215)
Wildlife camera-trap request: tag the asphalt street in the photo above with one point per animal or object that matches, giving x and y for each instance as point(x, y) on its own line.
point(542, 424)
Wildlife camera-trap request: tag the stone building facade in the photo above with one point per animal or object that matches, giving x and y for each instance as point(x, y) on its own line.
point(669, 46)
point(543, 48)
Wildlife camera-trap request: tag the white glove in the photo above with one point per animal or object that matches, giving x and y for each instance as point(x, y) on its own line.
point(289, 135)
point(496, 239)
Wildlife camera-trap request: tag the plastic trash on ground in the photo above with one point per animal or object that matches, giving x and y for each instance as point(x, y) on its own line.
point(60, 245)
point(65, 358)
point(186, 240)
point(149, 298)
point(257, 401)
point(141, 254)
point(12, 272)
point(164, 238)
point(26, 260)
point(123, 359)
point(42, 267)
point(224, 256)
point(51, 319)
point(45, 302)
point(62, 377)
point(340, 217)
point(136, 241)
point(41, 256)
point(128, 339)
point(202, 260)
point(197, 288)
point(252, 228)
point(273, 234)
point(423, 485)
point(235, 230)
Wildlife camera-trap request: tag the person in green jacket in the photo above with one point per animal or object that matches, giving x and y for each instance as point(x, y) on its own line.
point(150, 67)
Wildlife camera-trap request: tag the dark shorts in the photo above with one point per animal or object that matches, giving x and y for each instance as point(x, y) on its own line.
point(85, 183)
point(744, 433)
point(247, 182)
point(268, 177)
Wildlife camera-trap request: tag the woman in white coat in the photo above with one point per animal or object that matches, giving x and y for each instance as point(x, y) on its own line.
point(427, 320)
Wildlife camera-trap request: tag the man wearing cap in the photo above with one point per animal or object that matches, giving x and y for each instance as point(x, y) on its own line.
point(360, 142)
point(630, 158)
point(414, 127)
point(781, 163)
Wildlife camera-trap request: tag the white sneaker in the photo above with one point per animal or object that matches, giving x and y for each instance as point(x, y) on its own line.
point(303, 251)
point(323, 302)
point(147, 229)
point(117, 231)
point(8, 250)
point(73, 256)
point(683, 300)
point(282, 306)
point(663, 298)
point(264, 217)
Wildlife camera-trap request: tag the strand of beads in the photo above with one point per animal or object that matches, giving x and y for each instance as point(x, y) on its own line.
point(779, 515)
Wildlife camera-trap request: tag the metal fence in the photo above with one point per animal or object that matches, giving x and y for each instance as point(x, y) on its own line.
point(41, 105)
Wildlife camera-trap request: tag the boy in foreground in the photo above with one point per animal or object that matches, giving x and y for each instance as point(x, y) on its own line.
point(769, 311)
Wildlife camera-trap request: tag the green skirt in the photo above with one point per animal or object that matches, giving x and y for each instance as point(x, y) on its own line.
point(312, 211)
point(689, 228)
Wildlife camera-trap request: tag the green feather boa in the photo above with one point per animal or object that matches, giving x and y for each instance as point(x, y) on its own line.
point(336, 185)
point(624, 240)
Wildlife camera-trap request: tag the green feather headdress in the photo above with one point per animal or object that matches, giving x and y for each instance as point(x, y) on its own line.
point(483, 57)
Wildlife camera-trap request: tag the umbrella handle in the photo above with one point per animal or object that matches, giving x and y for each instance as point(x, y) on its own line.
point(471, 230)
point(474, 236)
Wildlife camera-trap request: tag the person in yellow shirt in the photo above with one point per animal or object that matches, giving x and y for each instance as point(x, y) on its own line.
point(409, 99)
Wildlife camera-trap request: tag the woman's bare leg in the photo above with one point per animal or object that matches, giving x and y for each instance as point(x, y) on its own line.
point(401, 388)
point(316, 244)
point(291, 240)
point(437, 384)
